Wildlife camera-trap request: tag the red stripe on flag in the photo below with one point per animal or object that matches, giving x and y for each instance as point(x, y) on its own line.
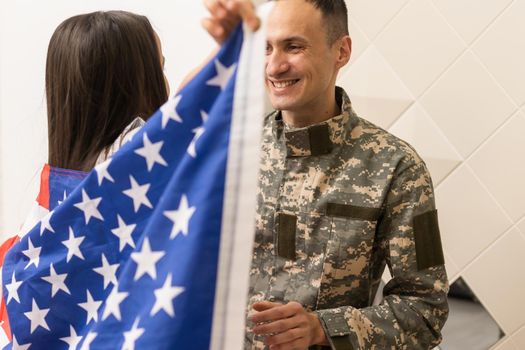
point(4, 320)
point(43, 195)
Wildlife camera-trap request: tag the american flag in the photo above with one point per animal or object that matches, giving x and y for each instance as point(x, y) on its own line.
point(132, 258)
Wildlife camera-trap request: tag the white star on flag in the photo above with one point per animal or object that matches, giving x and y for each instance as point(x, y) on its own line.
point(89, 207)
point(57, 281)
point(131, 336)
point(138, 194)
point(17, 346)
point(113, 302)
point(146, 260)
point(33, 253)
point(169, 111)
point(107, 271)
point(73, 340)
point(164, 297)
point(151, 152)
point(180, 217)
point(198, 133)
point(37, 317)
point(61, 201)
point(88, 339)
point(223, 75)
point(12, 289)
point(123, 232)
point(91, 306)
point(73, 245)
point(103, 173)
point(45, 224)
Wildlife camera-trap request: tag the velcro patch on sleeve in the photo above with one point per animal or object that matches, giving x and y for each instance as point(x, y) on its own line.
point(429, 251)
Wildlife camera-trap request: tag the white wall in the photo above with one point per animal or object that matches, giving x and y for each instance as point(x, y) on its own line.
point(448, 76)
point(26, 27)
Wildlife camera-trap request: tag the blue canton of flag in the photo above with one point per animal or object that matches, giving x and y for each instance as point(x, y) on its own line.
point(131, 261)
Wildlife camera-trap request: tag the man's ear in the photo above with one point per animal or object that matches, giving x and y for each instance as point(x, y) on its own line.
point(344, 51)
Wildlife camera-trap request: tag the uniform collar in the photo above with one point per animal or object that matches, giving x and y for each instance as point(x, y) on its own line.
point(317, 139)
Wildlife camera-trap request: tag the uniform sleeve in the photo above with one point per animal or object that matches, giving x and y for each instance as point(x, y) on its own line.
point(414, 307)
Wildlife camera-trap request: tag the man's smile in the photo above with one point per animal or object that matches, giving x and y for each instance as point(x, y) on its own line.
point(282, 84)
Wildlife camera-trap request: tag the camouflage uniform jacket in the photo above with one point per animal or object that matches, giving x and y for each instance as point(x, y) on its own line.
point(337, 202)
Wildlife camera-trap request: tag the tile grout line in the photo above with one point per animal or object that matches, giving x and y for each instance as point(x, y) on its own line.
point(466, 267)
point(514, 114)
point(512, 226)
point(467, 159)
point(470, 49)
point(496, 81)
point(483, 31)
point(491, 23)
point(519, 329)
point(491, 195)
point(466, 49)
point(396, 14)
point(352, 59)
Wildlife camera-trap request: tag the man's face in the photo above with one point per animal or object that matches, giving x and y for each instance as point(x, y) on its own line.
point(300, 63)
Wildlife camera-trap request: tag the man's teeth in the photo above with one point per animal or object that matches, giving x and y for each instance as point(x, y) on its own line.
point(283, 84)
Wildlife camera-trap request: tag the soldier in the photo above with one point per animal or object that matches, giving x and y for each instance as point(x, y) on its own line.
point(339, 199)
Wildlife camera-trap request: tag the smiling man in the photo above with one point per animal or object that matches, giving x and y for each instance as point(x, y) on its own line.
point(339, 199)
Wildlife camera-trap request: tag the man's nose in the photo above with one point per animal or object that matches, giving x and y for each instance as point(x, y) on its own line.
point(276, 64)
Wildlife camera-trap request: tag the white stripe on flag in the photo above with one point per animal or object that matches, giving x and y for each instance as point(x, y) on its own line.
point(238, 222)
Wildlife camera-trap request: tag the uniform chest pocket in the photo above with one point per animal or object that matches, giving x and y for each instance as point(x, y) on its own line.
point(348, 254)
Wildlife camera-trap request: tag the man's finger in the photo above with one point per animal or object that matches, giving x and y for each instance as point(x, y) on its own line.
point(275, 327)
point(214, 7)
point(216, 30)
point(275, 313)
point(246, 10)
point(264, 305)
point(289, 336)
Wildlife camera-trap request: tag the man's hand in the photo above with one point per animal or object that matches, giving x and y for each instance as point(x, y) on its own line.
point(225, 15)
point(287, 327)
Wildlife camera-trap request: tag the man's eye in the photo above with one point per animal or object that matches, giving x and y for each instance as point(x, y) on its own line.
point(294, 48)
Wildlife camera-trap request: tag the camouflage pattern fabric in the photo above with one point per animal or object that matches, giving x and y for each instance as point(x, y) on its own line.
point(354, 204)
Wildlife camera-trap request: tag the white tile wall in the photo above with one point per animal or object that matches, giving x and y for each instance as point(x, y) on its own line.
point(519, 339)
point(374, 15)
point(359, 41)
point(497, 279)
point(521, 226)
point(470, 17)
point(381, 103)
point(419, 44)
point(448, 76)
point(452, 269)
point(505, 344)
point(500, 164)
point(502, 49)
point(467, 104)
point(417, 128)
point(463, 204)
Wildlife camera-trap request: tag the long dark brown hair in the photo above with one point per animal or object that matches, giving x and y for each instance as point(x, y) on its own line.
point(103, 70)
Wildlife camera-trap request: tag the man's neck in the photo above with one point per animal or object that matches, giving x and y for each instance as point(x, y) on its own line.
point(310, 116)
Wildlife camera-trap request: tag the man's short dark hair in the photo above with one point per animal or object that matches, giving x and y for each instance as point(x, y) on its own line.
point(335, 15)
